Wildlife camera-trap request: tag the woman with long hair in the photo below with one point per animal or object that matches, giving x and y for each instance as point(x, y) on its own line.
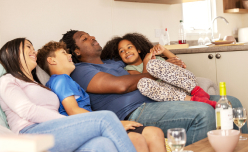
point(32, 108)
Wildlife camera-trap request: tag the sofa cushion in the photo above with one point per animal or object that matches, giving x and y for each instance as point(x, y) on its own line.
point(3, 120)
point(207, 85)
point(2, 70)
point(5, 131)
point(42, 75)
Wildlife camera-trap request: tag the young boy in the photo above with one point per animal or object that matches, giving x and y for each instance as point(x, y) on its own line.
point(54, 59)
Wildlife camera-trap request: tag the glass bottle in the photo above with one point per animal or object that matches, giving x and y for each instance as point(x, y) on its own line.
point(223, 110)
point(181, 34)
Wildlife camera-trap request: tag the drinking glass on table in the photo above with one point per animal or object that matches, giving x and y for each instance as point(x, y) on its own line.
point(239, 118)
point(176, 139)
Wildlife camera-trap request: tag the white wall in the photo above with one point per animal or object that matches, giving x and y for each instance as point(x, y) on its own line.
point(245, 20)
point(42, 21)
point(45, 20)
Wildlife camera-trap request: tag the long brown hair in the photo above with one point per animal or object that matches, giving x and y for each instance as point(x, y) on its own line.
point(10, 59)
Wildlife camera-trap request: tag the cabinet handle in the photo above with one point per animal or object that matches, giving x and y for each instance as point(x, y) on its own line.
point(210, 56)
point(218, 56)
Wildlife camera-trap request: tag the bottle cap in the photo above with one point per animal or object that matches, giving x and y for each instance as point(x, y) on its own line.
point(165, 29)
point(222, 88)
point(181, 21)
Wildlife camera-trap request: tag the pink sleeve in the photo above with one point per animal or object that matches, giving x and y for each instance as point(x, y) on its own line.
point(16, 99)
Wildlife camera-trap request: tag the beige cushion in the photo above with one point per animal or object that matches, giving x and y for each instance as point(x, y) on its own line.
point(42, 75)
point(5, 131)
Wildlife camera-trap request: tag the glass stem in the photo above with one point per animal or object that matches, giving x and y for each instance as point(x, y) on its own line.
point(240, 133)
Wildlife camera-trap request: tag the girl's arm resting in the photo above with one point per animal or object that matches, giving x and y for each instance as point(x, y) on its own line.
point(71, 106)
point(16, 99)
point(168, 54)
point(107, 83)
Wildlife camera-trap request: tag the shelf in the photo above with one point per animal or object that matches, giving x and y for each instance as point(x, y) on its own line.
point(234, 7)
point(236, 11)
point(160, 1)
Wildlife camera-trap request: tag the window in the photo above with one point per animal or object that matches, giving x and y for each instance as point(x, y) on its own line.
point(197, 16)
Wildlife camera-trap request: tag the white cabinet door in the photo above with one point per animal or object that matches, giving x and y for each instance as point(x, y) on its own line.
point(232, 68)
point(200, 64)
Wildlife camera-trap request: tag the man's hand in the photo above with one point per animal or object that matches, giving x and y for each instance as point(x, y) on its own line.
point(130, 124)
point(177, 61)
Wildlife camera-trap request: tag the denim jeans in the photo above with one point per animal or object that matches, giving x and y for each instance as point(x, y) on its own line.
point(89, 132)
point(196, 118)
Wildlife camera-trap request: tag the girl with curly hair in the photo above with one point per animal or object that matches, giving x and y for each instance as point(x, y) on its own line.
point(174, 83)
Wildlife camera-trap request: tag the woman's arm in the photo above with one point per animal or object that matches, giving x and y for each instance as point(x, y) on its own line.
point(15, 98)
point(71, 106)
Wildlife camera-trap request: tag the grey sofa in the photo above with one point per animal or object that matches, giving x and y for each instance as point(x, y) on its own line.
point(206, 84)
point(209, 86)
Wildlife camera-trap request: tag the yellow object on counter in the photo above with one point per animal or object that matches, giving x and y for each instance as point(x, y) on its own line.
point(227, 44)
point(176, 46)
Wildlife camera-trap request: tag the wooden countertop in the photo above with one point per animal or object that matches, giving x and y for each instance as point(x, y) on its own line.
point(204, 146)
point(211, 49)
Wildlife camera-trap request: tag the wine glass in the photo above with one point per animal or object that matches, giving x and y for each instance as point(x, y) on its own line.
point(206, 39)
point(239, 118)
point(201, 40)
point(176, 139)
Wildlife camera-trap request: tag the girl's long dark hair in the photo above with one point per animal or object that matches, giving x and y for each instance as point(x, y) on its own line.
point(110, 50)
point(10, 59)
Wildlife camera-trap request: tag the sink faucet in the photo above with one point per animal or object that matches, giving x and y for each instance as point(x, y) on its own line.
point(213, 24)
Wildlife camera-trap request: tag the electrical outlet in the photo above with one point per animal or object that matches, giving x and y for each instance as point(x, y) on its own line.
point(158, 32)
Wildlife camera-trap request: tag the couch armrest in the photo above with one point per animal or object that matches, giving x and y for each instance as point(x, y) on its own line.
point(208, 85)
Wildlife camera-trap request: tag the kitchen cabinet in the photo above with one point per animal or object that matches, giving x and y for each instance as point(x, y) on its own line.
point(160, 1)
point(234, 6)
point(231, 68)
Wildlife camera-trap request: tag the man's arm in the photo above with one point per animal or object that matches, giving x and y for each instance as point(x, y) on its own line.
point(106, 83)
point(71, 106)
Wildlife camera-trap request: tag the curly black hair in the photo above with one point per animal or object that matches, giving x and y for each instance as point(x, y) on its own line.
point(71, 44)
point(110, 50)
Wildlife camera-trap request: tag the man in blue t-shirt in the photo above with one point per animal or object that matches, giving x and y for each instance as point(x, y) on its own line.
point(54, 59)
point(110, 87)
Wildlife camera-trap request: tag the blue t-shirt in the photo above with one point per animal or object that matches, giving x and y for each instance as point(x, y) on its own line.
point(120, 104)
point(64, 86)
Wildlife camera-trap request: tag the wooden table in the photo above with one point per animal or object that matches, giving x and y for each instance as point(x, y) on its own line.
point(204, 146)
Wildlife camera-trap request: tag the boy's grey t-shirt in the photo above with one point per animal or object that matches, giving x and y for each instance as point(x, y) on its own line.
point(120, 104)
